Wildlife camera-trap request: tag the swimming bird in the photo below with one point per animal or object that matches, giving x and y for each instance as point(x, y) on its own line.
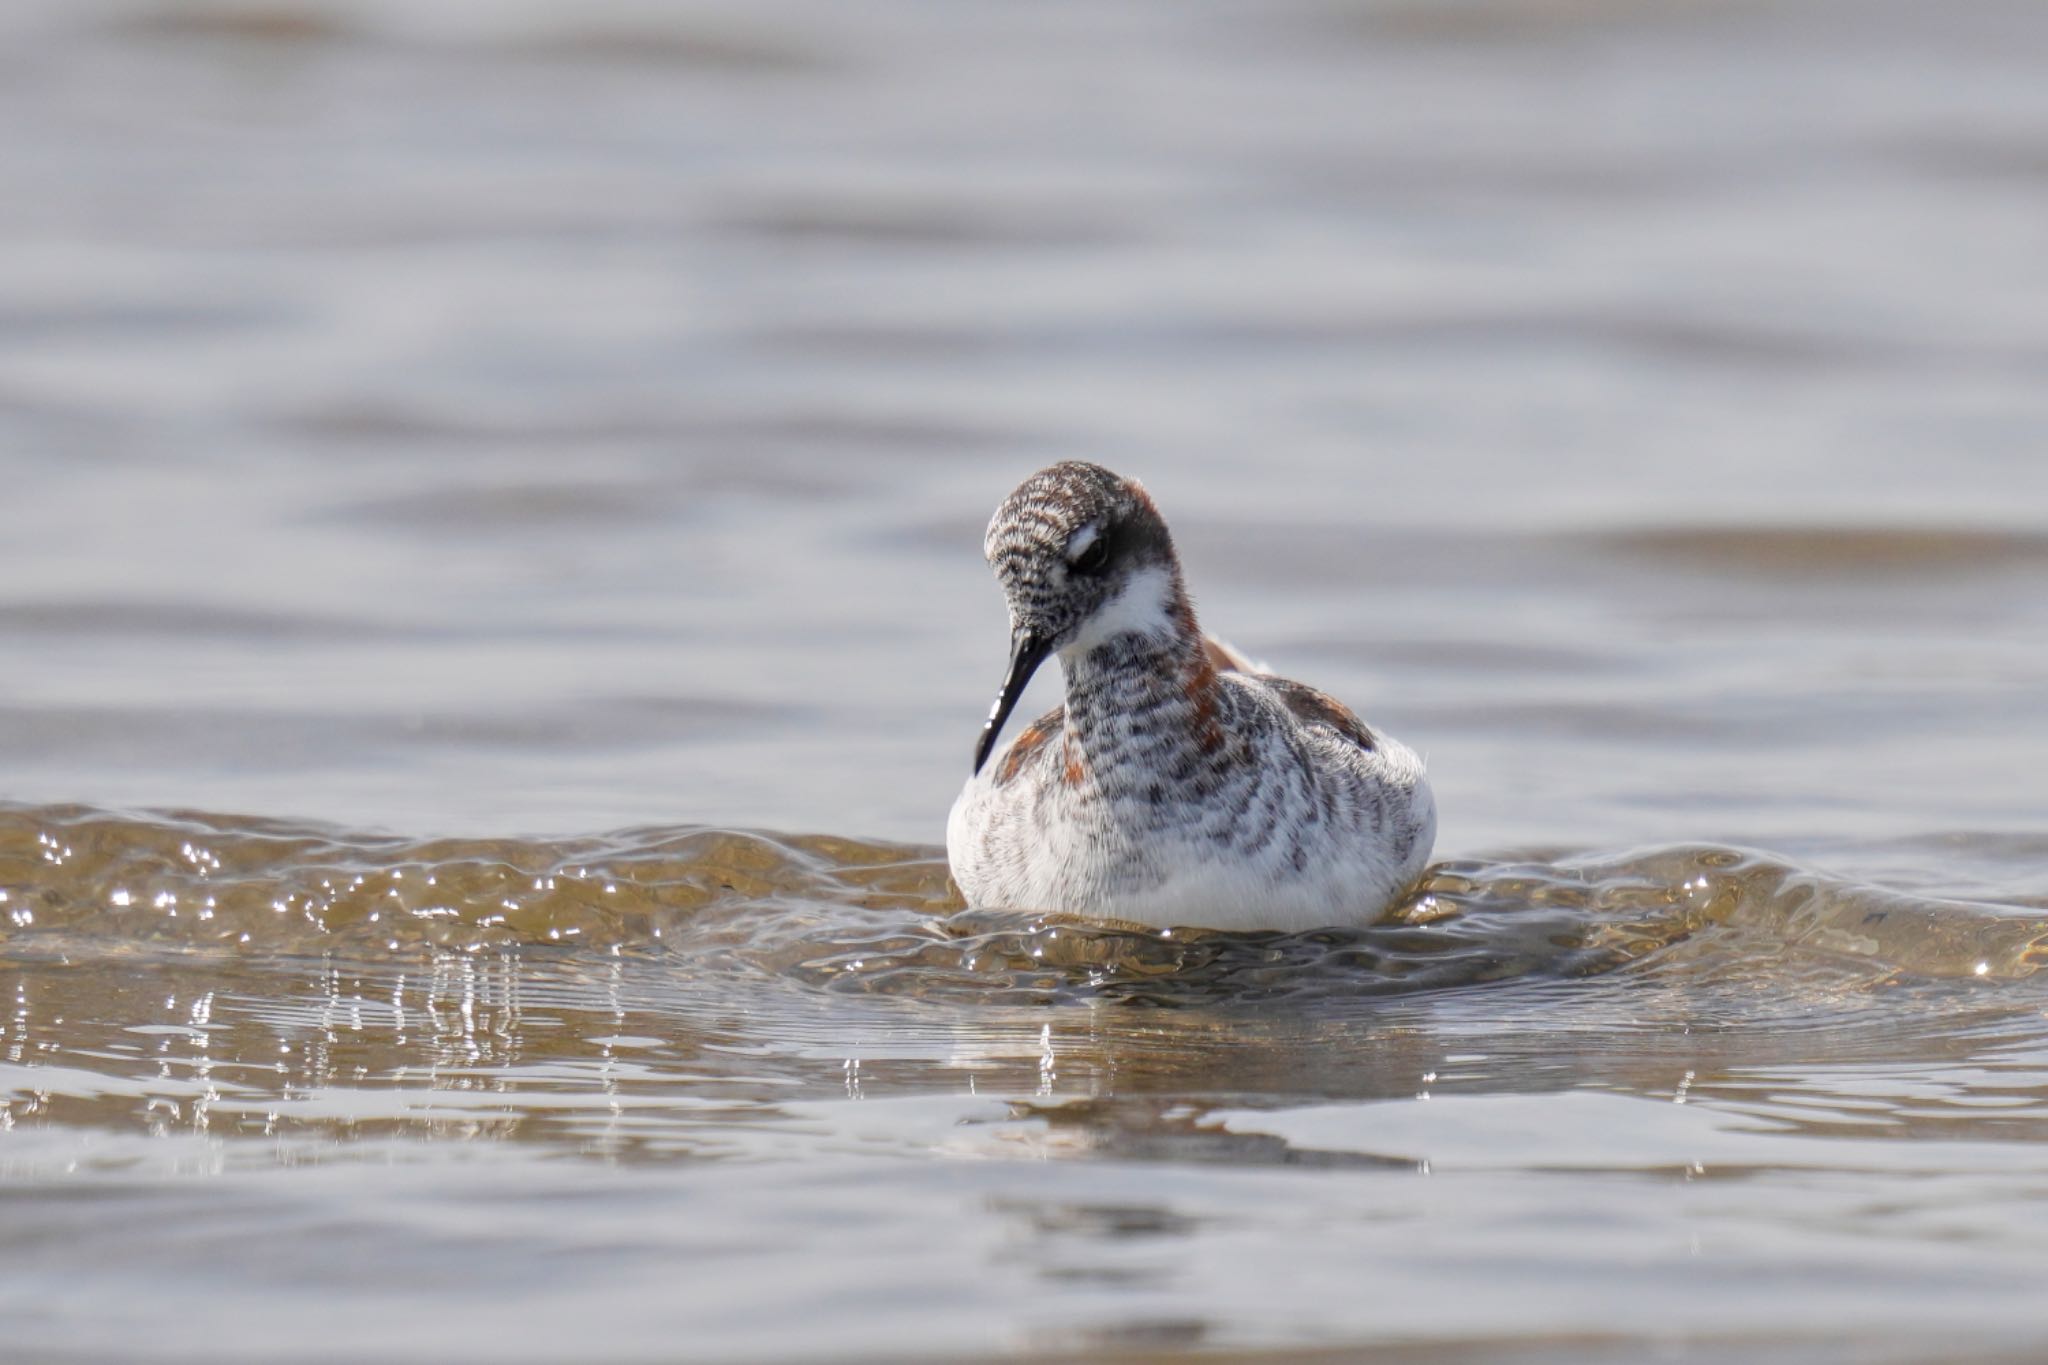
point(1178, 784)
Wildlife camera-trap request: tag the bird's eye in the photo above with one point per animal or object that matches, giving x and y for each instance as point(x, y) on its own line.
point(1094, 558)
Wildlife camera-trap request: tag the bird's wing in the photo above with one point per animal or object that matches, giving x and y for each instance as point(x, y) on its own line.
point(1224, 658)
point(1320, 708)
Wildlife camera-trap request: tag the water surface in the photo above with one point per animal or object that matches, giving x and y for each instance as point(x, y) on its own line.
point(492, 622)
point(720, 1089)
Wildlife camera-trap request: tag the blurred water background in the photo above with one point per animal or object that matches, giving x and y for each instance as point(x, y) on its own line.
point(519, 445)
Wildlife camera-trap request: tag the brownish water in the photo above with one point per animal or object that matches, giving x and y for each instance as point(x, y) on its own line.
point(714, 1093)
point(482, 478)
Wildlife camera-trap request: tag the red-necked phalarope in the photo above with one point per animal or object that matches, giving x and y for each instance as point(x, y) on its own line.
point(1179, 784)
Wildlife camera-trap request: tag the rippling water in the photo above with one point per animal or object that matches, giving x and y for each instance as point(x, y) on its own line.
point(481, 476)
point(674, 1081)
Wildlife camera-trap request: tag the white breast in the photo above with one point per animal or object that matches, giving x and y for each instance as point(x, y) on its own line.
point(1012, 847)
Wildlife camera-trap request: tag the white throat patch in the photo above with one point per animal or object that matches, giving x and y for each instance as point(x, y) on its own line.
point(1143, 606)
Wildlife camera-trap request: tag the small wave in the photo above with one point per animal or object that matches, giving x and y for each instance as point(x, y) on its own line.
point(848, 916)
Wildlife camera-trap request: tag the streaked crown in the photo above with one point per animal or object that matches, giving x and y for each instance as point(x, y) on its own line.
point(1068, 541)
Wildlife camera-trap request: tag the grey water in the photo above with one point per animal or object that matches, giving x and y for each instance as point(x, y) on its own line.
point(491, 621)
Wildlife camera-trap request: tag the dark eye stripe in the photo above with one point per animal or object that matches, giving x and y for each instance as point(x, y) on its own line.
point(1092, 559)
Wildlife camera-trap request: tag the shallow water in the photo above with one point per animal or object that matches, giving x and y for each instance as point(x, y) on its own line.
point(482, 477)
point(759, 1094)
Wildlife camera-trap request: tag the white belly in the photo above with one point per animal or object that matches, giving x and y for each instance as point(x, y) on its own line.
point(1006, 857)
